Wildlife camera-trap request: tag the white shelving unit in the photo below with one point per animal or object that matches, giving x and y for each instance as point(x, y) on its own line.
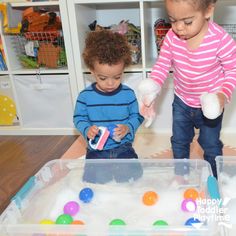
point(44, 97)
point(76, 15)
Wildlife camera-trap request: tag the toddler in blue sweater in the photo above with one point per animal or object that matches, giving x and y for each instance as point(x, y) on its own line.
point(108, 102)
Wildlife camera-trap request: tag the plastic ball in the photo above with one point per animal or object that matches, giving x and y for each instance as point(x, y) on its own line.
point(191, 193)
point(150, 198)
point(64, 219)
point(160, 223)
point(189, 205)
point(117, 222)
point(86, 195)
point(46, 222)
point(71, 208)
point(191, 221)
point(77, 222)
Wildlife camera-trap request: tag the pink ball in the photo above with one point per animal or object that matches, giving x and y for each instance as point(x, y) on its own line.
point(71, 208)
point(189, 205)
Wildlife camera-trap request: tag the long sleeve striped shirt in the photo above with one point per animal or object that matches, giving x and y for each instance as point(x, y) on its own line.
point(94, 107)
point(209, 68)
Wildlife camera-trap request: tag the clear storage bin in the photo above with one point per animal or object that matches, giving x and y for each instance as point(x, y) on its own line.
point(113, 197)
point(226, 168)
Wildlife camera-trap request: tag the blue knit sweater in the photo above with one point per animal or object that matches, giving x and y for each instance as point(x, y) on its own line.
point(94, 107)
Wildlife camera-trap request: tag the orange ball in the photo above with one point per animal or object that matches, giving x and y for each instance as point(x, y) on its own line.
point(77, 222)
point(191, 193)
point(150, 198)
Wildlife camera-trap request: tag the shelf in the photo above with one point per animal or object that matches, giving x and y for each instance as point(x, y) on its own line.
point(35, 4)
point(40, 71)
point(4, 72)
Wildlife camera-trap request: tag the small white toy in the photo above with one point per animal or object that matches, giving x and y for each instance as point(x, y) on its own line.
point(147, 92)
point(210, 105)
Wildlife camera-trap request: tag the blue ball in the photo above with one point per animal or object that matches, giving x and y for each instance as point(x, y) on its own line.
point(86, 195)
point(191, 221)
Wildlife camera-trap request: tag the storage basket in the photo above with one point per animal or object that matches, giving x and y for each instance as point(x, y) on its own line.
point(41, 49)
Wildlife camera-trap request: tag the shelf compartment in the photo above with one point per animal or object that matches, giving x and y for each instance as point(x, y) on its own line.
point(44, 101)
point(106, 14)
point(152, 11)
point(8, 111)
point(41, 49)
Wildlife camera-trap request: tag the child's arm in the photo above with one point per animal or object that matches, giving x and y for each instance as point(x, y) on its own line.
point(135, 119)
point(80, 118)
point(149, 88)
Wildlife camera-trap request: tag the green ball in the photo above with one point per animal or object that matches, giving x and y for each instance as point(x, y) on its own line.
point(160, 223)
point(64, 219)
point(117, 222)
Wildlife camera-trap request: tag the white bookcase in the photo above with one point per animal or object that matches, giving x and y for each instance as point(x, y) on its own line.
point(76, 15)
point(44, 97)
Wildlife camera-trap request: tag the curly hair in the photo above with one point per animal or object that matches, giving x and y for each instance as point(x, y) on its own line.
point(200, 4)
point(106, 47)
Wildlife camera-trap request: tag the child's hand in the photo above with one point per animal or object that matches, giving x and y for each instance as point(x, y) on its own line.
point(212, 105)
point(92, 132)
point(121, 131)
point(147, 92)
point(222, 100)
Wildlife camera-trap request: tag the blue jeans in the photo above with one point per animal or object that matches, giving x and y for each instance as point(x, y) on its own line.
point(185, 119)
point(102, 172)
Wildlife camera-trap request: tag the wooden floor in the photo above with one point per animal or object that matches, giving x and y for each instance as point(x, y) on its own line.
point(22, 156)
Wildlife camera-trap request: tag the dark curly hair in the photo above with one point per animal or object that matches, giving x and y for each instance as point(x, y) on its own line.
point(200, 4)
point(106, 47)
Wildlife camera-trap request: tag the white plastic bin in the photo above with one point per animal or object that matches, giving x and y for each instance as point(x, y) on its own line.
point(226, 168)
point(137, 192)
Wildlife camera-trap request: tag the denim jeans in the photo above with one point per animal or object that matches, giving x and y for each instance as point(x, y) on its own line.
point(185, 119)
point(102, 172)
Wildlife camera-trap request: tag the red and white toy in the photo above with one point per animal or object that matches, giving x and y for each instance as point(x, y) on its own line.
point(103, 136)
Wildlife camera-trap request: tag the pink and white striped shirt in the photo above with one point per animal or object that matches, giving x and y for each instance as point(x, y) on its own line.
point(209, 68)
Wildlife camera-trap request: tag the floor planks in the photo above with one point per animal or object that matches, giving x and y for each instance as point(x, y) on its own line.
point(22, 156)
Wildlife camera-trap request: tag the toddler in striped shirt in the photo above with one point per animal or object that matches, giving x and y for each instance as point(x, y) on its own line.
point(202, 56)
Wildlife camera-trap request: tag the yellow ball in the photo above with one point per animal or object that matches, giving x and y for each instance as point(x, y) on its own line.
point(7, 110)
point(46, 222)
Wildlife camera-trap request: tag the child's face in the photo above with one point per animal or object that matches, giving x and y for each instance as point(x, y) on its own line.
point(186, 19)
point(108, 77)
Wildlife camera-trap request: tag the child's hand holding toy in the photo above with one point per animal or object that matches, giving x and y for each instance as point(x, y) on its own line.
point(148, 91)
point(116, 132)
point(212, 104)
point(92, 132)
point(119, 132)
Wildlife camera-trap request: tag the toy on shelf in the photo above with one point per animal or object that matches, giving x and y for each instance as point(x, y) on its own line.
point(41, 42)
point(7, 28)
point(161, 27)
point(7, 110)
point(40, 21)
point(3, 65)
